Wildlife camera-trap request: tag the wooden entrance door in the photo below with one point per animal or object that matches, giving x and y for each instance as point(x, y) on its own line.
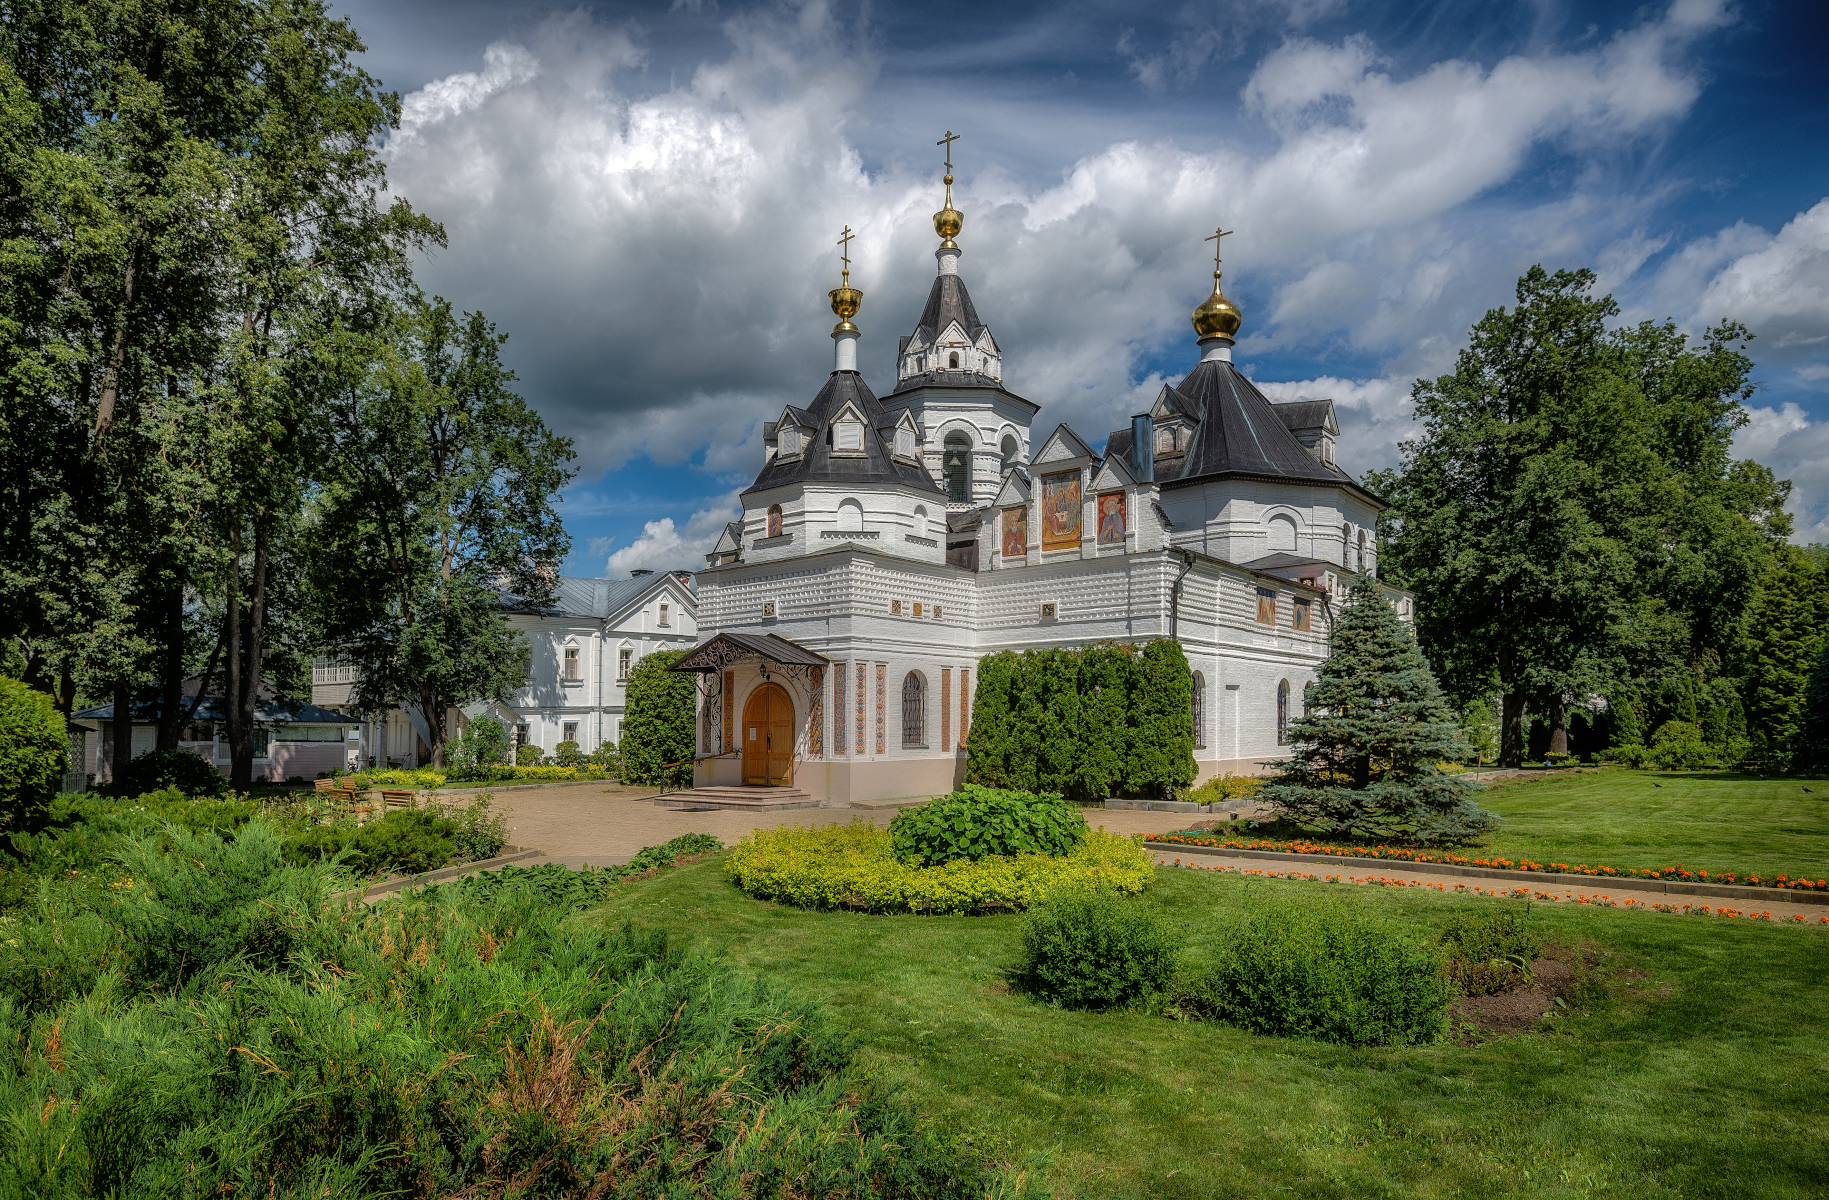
point(768, 737)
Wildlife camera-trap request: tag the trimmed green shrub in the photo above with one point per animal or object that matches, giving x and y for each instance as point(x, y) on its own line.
point(659, 722)
point(156, 769)
point(854, 866)
point(34, 753)
point(1089, 723)
point(1227, 787)
point(1333, 972)
point(1489, 953)
point(1095, 951)
point(528, 755)
point(567, 754)
point(978, 821)
point(408, 841)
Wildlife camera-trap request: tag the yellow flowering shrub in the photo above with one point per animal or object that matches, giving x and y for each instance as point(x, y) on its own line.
point(854, 866)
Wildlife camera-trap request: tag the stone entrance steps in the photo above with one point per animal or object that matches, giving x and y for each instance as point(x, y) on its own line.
point(743, 799)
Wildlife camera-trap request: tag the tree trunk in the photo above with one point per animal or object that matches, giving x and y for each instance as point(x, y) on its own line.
point(123, 730)
point(234, 728)
point(1559, 725)
point(241, 769)
point(171, 683)
point(434, 713)
point(1511, 730)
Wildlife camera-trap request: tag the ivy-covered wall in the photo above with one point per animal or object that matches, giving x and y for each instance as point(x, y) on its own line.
point(1111, 719)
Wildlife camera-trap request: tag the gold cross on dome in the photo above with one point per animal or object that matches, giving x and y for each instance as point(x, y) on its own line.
point(1218, 233)
point(948, 141)
point(845, 254)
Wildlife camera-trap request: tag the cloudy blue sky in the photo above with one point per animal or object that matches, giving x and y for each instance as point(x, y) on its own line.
point(645, 197)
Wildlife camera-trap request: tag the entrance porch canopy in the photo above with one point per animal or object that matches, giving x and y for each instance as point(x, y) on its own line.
point(727, 649)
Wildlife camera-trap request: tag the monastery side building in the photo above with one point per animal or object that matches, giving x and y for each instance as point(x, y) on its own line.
point(888, 544)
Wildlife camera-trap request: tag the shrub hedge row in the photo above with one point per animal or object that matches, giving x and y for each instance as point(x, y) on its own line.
point(1108, 720)
point(854, 866)
point(978, 821)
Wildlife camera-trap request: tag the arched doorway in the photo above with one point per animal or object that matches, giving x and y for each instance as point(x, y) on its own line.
point(768, 737)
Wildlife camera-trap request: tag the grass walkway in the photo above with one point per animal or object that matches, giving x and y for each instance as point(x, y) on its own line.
point(1715, 821)
point(1702, 1075)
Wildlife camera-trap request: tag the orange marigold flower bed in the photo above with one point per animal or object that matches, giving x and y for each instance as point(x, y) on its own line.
point(1407, 854)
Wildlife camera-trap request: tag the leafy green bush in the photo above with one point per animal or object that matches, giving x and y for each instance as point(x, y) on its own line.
point(156, 769)
point(500, 774)
point(481, 831)
point(528, 755)
point(34, 749)
point(418, 778)
point(605, 760)
point(1095, 951)
point(1678, 746)
point(407, 841)
point(649, 858)
point(1333, 972)
point(978, 821)
point(1630, 755)
point(567, 754)
point(1489, 953)
point(483, 743)
point(855, 866)
point(199, 814)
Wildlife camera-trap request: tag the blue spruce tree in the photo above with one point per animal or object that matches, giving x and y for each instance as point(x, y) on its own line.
point(1368, 752)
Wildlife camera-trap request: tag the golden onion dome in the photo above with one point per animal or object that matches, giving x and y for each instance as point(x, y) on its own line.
point(1217, 316)
point(949, 220)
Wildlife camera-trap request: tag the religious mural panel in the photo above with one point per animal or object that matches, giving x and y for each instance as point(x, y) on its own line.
point(1111, 519)
point(1015, 532)
point(1061, 511)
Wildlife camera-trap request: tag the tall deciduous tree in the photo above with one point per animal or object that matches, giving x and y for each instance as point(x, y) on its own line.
point(1571, 509)
point(1810, 745)
point(1368, 752)
point(441, 509)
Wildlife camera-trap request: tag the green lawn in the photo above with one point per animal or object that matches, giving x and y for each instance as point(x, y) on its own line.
point(1714, 821)
point(1702, 1076)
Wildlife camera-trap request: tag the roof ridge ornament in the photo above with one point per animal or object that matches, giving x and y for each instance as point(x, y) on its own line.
point(949, 220)
point(1217, 319)
point(845, 301)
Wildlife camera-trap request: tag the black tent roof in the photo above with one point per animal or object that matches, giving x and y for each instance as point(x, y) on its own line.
point(816, 462)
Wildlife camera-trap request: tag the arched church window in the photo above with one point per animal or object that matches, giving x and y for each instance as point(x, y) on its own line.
point(914, 710)
point(1197, 708)
point(1010, 449)
point(1282, 713)
point(850, 515)
point(956, 467)
point(1282, 534)
point(774, 520)
point(920, 520)
point(952, 360)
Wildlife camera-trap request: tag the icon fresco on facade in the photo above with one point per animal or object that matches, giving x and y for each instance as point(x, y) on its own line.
point(1061, 511)
point(1111, 519)
point(1015, 532)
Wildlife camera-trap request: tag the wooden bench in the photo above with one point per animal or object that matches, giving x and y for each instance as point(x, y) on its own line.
point(399, 799)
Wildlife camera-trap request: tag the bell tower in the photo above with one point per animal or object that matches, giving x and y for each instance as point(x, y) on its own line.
point(949, 379)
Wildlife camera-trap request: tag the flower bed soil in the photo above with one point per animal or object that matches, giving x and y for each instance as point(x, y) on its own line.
point(1677, 873)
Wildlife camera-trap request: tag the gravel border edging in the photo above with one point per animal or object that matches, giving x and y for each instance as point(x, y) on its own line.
point(1585, 882)
point(443, 873)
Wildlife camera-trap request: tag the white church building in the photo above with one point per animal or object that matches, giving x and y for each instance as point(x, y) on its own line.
point(888, 544)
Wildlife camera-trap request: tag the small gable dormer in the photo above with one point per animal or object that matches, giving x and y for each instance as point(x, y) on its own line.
point(1175, 423)
point(1314, 425)
point(904, 438)
point(845, 432)
point(793, 432)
